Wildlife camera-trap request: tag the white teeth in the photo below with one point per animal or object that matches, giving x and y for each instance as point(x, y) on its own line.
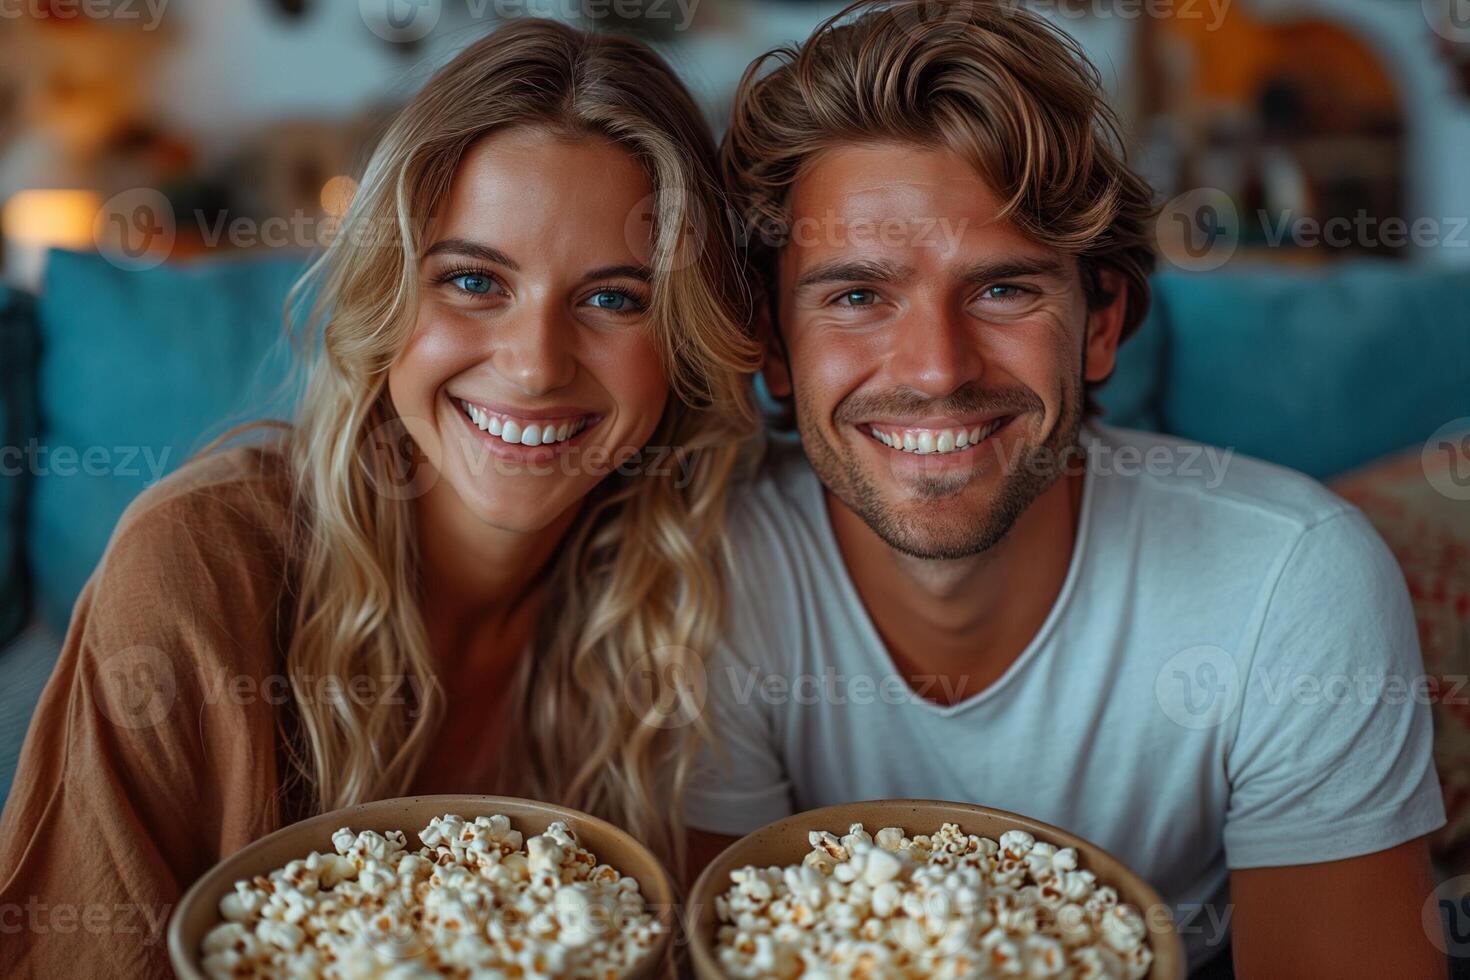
point(924, 442)
point(512, 432)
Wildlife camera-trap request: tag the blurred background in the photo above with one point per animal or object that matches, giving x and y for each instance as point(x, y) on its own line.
point(166, 165)
point(1310, 130)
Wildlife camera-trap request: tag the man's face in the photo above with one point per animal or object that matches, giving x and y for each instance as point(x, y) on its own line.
point(936, 354)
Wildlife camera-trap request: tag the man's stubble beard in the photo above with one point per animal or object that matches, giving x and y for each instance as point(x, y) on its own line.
point(1025, 478)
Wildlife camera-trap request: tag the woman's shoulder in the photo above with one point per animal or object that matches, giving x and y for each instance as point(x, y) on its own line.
point(220, 498)
point(207, 549)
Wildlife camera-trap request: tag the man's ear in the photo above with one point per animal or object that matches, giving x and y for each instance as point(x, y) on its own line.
point(1105, 325)
point(775, 368)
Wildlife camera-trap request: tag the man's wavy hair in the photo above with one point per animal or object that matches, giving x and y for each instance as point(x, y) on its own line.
point(987, 79)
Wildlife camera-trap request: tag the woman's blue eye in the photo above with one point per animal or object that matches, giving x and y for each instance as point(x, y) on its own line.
point(613, 301)
point(859, 297)
point(474, 283)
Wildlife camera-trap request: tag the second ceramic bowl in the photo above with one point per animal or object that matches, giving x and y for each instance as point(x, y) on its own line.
point(785, 842)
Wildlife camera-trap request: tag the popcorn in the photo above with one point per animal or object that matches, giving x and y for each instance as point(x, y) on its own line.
point(476, 900)
point(945, 905)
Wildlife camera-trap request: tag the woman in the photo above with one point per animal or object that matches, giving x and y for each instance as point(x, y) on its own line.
point(478, 554)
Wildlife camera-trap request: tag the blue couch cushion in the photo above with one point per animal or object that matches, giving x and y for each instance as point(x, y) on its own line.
point(1319, 371)
point(25, 667)
point(139, 370)
point(18, 428)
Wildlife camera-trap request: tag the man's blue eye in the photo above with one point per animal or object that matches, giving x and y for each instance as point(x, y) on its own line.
point(1003, 292)
point(859, 297)
point(474, 283)
point(613, 301)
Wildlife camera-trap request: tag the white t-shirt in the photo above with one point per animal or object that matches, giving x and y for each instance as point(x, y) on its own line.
point(1230, 678)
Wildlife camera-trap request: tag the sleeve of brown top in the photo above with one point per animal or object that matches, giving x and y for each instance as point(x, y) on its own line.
point(152, 753)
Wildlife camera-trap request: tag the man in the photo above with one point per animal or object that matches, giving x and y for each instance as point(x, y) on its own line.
point(968, 590)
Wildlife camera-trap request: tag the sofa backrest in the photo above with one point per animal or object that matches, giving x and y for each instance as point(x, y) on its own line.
point(138, 371)
point(1321, 371)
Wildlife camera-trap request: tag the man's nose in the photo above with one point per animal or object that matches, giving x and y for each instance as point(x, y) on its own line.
point(936, 351)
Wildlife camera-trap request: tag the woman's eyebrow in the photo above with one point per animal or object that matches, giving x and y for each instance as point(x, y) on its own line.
point(640, 272)
point(474, 250)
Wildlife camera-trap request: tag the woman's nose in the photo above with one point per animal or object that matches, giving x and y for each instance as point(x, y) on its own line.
point(533, 349)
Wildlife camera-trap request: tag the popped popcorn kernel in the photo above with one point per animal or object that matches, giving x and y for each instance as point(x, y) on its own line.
point(478, 899)
point(942, 905)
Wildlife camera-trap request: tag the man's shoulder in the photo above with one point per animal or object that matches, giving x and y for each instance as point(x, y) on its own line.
point(1210, 485)
point(782, 494)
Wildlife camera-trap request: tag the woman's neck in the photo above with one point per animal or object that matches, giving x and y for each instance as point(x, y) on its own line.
point(475, 576)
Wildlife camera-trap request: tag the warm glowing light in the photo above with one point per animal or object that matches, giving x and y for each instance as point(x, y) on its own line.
point(51, 218)
point(337, 195)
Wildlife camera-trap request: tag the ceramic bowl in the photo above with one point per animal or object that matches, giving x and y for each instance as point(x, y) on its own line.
point(785, 842)
point(198, 910)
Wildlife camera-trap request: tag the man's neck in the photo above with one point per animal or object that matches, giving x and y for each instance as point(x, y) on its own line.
point(953, 627)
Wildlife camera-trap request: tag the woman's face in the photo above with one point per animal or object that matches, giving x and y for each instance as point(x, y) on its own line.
point(531, 373)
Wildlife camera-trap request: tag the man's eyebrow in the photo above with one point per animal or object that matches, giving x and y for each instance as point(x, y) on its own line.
point(853, 270)
point(474, 250)
point(1013, 268)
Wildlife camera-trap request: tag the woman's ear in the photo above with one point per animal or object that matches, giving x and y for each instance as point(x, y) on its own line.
point(1105, 325)
point(775, 367)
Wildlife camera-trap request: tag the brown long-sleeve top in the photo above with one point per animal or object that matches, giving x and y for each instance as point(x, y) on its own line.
point(154, 750)
point(158, 745)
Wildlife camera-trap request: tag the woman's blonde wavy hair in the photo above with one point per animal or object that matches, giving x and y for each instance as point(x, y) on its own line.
point(600, 707)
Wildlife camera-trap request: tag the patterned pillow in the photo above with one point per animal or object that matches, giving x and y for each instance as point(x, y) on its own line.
point(1420, 503)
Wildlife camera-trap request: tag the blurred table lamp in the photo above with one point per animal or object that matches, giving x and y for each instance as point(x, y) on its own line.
point(33, 221)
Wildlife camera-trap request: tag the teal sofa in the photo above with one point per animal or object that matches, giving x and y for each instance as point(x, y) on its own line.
point(113, 378)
